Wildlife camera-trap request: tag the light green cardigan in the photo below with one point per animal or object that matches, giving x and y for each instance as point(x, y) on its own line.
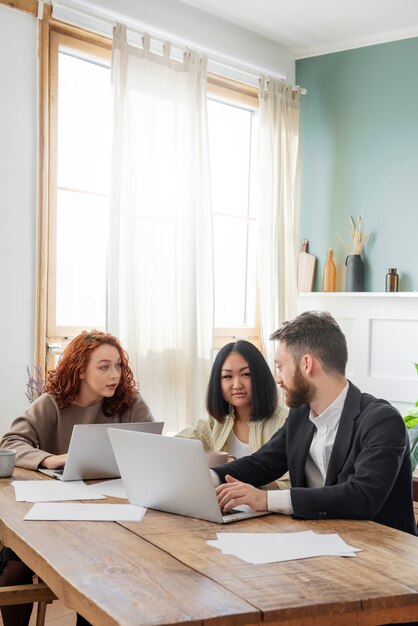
point(214, 435)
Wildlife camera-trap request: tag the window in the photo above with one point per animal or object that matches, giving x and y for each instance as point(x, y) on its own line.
point(231, 141)
point(80, 140)
point(80, 119)
point(84, 119)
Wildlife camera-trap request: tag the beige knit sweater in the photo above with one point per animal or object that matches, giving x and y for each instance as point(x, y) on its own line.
point(45, 429)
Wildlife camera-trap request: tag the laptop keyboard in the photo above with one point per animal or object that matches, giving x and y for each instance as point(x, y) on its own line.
point(231, 512)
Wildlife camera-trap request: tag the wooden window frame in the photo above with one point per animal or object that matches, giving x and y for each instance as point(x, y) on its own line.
point(27, 6)
point(52, 35)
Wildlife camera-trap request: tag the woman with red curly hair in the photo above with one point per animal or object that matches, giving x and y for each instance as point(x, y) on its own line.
point(92, 384)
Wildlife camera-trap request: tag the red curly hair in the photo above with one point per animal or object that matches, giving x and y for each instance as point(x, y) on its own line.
point(64, 382)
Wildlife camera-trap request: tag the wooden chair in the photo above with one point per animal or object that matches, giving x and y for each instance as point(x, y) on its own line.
point(24, 594)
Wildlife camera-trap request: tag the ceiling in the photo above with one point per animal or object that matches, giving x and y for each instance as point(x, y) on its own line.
point(312, 27)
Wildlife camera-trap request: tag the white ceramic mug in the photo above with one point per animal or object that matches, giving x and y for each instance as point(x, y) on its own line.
point(217, 458)
point(7, 462)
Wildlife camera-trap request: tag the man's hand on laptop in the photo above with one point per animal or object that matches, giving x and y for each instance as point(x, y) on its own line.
point(234, 492)
point(54, 461)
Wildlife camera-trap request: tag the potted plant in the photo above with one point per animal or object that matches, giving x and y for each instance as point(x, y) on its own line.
point(354, 262)
point(411, 421)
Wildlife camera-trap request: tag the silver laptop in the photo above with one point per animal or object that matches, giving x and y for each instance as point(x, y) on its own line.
point(90, 454)
point(170, 474)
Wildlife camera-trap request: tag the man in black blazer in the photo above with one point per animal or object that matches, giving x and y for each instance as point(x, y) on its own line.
point(347, 452)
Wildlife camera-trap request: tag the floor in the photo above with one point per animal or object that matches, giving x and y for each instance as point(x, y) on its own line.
point(56, 615)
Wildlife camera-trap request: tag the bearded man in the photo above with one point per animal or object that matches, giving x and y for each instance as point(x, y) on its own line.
point(347, 452)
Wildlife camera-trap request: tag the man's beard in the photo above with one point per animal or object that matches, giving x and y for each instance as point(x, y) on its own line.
point(301, 392)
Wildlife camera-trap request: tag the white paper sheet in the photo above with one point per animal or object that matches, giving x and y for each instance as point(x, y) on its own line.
point(258, 548)
point(53, 491)
point(113, 488)
point(86, 512)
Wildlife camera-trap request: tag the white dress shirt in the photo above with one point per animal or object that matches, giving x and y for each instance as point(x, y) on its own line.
point(317, 461)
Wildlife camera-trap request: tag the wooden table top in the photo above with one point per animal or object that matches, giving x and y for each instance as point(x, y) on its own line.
point(378, 586)
point(112, 576)
point(161, 572)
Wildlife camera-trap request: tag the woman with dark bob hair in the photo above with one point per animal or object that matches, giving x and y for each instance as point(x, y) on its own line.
point(91, 384)
point(241, 401)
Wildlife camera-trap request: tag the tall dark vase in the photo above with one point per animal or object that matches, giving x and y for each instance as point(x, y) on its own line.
point(354, 278)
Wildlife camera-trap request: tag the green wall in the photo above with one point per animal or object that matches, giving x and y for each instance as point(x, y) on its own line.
point(359, 137)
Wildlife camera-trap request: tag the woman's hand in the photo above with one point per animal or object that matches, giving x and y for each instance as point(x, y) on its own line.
point(234, 492)
point(54, 461)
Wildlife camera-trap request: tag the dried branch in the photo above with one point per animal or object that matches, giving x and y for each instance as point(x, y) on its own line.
point(35, 384)
point(359, 239)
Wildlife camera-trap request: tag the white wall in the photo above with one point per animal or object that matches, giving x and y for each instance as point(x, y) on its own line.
point(18, 203)
point(382, 338)
point(184, 25)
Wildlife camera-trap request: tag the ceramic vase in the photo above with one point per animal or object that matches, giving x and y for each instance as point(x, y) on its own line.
point(354, 280)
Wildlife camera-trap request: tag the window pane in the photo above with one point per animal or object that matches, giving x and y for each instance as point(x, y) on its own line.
point(84, 148)
point(84, 143)
point(230, 151)
point(231, 164)
point(82, 227)
point(234, 281)
point(84, 124)
point(251, 287)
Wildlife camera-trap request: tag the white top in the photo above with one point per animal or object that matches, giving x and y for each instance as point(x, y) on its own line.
point(319, 454)
point(236, 447)
point(326, 426)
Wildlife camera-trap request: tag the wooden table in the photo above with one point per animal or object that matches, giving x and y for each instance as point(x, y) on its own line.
point(161, 572)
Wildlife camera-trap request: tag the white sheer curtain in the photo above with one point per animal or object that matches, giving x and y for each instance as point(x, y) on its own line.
point(279, 197)
point(160, 292)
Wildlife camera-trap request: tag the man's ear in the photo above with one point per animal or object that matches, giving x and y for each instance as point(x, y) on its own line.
point(307, 364)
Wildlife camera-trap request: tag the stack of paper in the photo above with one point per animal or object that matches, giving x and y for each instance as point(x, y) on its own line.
point(51, 495)
point(86, 512)
point(53, 491)
point(258, 548)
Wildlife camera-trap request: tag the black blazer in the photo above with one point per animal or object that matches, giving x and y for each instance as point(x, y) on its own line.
point(369, 474)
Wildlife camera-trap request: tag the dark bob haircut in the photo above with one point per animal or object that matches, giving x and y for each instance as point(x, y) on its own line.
point(264, 388)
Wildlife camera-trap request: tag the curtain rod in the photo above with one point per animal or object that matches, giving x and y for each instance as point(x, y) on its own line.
point(103, 24)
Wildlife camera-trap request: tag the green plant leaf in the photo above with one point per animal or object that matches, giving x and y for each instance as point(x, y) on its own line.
point(413, 444)
point(411, 418)
point(414, 456)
